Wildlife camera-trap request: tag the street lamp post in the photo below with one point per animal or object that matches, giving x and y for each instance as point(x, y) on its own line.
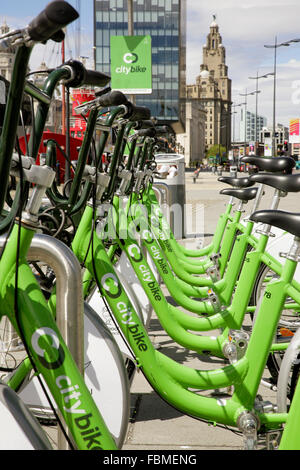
point(215, 84)
point(130, 30)
point(256, 100)
point(233, 125)
point(245, 95)
point(233, 130)
point(275, 46)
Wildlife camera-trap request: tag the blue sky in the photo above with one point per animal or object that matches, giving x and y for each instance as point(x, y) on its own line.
point(245, 26)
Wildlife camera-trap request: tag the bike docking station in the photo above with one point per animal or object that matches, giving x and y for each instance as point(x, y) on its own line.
point(169, 182)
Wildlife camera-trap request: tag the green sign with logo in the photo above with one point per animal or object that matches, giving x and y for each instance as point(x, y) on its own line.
point(131, 65)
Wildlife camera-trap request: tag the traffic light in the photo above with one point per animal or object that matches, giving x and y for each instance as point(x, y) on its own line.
point(286, 145)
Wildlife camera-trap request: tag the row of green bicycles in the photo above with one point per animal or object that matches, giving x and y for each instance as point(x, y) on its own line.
point(83, 270)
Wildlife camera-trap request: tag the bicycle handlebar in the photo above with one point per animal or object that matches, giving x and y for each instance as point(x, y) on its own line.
point(113, 98)
point(95, 78)
point(137, 113)
point(149, 132)
point(82, 76)
point(51, 20)
point(59, 36)
point(161, 130)
point(145, 124)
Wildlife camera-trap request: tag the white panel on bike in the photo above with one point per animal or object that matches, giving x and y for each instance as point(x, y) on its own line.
point(281, 243)
point(134, 290)
point(105, 376)
point(99, 306)
point(19, 430)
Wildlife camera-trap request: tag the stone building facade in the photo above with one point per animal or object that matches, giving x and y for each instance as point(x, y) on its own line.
point(193, 139)
point(213, 90)
point(7, 57)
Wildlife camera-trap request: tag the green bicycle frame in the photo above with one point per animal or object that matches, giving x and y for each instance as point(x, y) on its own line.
point(174, 382)
point(47, 348)
point(242, 242)
point(34, 321)
point(182, 324)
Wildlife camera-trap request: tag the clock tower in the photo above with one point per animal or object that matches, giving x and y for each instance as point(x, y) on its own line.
point(213, 89)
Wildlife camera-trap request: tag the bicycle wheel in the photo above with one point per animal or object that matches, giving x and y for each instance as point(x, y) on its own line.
point(288, 324)
point(289, 374)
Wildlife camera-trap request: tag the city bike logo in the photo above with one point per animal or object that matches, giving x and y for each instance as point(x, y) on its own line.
point(147, 236)
point(110, 287)
point(130, 58)
point(135, 253)
point(50, 353)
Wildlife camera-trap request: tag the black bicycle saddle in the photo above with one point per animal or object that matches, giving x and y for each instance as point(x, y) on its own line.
point(245, 195)
point(236, 182)
point(287, 183)
point(272, 164)
point(287, 221)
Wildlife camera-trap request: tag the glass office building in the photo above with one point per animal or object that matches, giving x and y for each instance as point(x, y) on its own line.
point(165, 22)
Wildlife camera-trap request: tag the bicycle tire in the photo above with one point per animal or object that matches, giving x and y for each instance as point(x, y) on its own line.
point(275, 358)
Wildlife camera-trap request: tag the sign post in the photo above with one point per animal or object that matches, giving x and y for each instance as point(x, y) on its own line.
point(294, 131)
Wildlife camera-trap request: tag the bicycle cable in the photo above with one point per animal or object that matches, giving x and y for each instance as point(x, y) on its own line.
point(17, 317)
point(96, 277)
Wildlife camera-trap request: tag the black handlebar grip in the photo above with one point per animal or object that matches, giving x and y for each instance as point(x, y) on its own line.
point(137, 113)
point(102, 92)
point(144, 124)
point(81, 76)
point(113, 98)
point(54, 17)
point(161, 130)
point(150, 132)
point(59, 36)
point(78, 73)
point(95, 78)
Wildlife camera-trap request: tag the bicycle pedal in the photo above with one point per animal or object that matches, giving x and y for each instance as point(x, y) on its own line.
point(273, 439)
